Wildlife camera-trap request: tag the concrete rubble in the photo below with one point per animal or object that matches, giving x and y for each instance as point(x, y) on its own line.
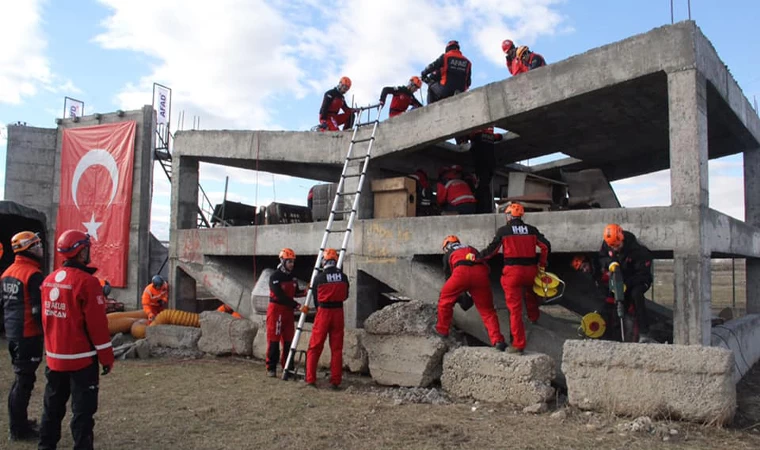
point(402, 348)
point(406, 395)
point(222, 334)
point(690, 383)
point(173, 336)
point(485, 374)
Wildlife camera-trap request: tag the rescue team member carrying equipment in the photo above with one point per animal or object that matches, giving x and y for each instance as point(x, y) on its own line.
point(155, 297)
point(518, 242)
point(636, 265)
point(283, 287)
point(403, 96)
point(330, 117)
point(528, 60)
point(227, 310)
point(465, 274)
point(451, 74)
point(510, 53)
point(330, 290)
point(453, 194)
point(76, 338)
point(21, 300)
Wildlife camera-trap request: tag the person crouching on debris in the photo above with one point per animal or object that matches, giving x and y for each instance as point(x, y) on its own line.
point(155, 297)
point(283, 288)
point(510, 53)
point(403, 96)
point(76, 334)
point(227, 310)
point(636, 263)
point(465, 274)
point(333, 102)
point(330, 290)
point(453, 194)
point(518, 242)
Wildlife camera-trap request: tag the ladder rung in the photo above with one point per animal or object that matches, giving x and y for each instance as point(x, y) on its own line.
point(356, 158)
point(343, 194)
point(364, 124)
point(353, 176)
point(339, 230)
point(358, 141)
point(344, 211)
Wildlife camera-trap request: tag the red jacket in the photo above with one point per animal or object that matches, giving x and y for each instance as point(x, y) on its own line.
point(459, 255)
point(516, 66)
point(455, 192)
point(518, 241)
point(74, 319)
point(21, 298)
point(402, 98)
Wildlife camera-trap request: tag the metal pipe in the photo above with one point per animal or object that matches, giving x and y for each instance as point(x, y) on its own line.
point(671, 12)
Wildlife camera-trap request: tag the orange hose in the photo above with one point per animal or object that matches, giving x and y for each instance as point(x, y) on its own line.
point(137, 314)
point(177, 317)
point(120, 324)
point(138, 328)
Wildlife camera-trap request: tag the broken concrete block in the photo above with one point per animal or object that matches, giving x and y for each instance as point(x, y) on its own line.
point(686, 382)
point(413, 318)
point(142, 349)
point(173, 336)
point(222, 334)
point(486, 374)
point(403, 360)
point(355, 357)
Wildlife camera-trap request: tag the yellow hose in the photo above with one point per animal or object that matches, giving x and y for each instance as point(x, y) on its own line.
point(120, 324)
point(137, 314)
point(138, 329)
point(177, 317)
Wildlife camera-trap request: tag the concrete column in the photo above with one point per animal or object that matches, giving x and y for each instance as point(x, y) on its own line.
point(184, 215)
point(691, 307)
point(752, 217)
point(182, 290)
point(687, 107)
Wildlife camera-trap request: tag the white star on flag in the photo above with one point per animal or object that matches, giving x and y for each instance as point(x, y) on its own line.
point(92, 227)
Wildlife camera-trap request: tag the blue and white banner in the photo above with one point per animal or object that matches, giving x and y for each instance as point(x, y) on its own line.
point(72, 108)
point(162, 104)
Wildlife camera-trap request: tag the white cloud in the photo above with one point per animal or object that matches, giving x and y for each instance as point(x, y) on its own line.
point(24, 67)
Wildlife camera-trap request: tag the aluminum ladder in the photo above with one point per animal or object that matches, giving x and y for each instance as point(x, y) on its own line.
point(349, 163)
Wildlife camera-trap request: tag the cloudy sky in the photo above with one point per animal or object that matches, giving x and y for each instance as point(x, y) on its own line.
point(261, 64)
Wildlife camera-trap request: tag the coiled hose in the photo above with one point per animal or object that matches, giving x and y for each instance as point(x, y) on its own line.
point(177, 317)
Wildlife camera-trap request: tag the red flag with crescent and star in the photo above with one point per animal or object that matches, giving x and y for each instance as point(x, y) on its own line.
point(96, 194)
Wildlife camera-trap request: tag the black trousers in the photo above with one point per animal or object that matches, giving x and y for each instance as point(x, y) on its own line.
point(437, 91)
point(274, 357)
point(635, 294)
point(82, 387)
point(26, 355)
point(484, 160)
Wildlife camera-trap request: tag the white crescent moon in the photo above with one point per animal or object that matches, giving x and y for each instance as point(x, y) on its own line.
point(96, 157)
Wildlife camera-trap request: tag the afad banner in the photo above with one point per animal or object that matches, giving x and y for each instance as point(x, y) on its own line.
point(96, 194)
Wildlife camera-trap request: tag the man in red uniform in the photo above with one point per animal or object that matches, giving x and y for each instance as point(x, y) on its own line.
point(330, 116)
point(454, 194)
point(465, 274)
point(155, 297)
point(451, 74)
point(330, 290)
point(21, 300)
point(514, 65)
point(283, 288)
point(403, 96)
point(518, 242)
point(76, 338)
point(528, 59)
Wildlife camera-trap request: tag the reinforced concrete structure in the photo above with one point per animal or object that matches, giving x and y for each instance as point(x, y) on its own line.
point(658, 100)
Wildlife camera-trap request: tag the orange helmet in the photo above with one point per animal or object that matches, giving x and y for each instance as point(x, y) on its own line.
point(345, 81)
point(578, 261)
point(24, 241)
point(416, 81)
point(330, 255)
point(450, 239)
point(515, 210)
point(521, 51)
point(613, 235)
point(287, 253)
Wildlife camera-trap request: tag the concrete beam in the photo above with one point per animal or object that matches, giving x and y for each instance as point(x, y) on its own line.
point(742, 337)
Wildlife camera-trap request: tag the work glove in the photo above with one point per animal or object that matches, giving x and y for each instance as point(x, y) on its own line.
point(107, 369)
point(541, 269)
point(304, 309)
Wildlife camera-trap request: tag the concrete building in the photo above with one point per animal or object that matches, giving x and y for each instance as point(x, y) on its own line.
point(658, 100)
point(32, 178)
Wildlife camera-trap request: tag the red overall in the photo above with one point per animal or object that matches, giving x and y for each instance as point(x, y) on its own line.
point(330, 291)
point(280, 316)
point(467, 276)
point(332, 103)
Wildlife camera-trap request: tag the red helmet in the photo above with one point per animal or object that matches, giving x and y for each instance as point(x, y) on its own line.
point(452, 45)
point(345, 81)
point(507, 45)
point(416, 81)
point(330, 255)
point(613, 235)
point(71, 242)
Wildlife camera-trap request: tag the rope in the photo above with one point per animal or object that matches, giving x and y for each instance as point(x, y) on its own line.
point(256, 201)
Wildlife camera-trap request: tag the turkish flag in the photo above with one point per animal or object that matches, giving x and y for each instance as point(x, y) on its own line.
point(96, 193)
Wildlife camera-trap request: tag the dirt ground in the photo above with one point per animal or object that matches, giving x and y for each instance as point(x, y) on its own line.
point(228, 403)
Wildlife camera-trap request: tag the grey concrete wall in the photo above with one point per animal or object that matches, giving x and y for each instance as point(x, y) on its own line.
point(158, 254)
point(741, 336)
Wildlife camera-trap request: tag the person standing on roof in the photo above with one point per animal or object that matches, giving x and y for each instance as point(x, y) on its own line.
point(283, 289)
point(514, 65)
point(518, 242)
point(635, 262)
point(333, 102)
point(450, 73)
point(403, 96)
point(465, 274)
point(528, 59)
point(453, 194)
point(330, 291)
point(21, 299)
point(76, 339)
point(155, 297)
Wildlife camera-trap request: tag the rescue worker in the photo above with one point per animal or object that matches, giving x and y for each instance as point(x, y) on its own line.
point(453, 194)
point(403, 96)
point(21, 300)
point(636, 264)
point(465, 274)
point(283, 288)
point(227, 310)
point(155, 297)
point(330, 290)
point(514, 65)
point(451, 74)
point(518, 242)
point(426, 205)
point(483, 158)
point(76, 340)
point(330, 116)
point(528, 59)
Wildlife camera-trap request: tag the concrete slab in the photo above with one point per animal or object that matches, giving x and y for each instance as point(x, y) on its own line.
point(489, 375)
point(222, 334)
point(173, 336)
point(405, 360)
point(692, 383)
point(742, 337)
